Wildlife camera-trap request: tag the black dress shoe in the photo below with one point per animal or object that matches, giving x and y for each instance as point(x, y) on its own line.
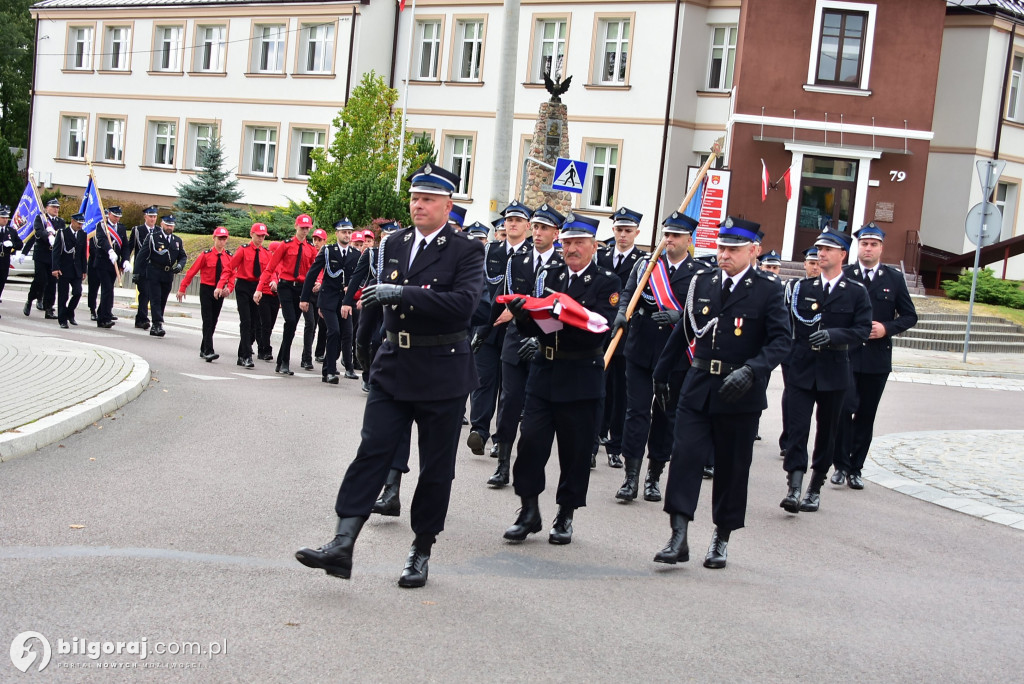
point(365, 386)
point(157, 331)
point(283, 369)
point(593, 460)
point(561, 530)
point(72, 321)
point(306, 365)
point(265, 357)
point(28, 309)
point(415, 573)
point(677, 550)
point(494, 450)
point(211, 357)
point(39, 305)
point(319, 359)
point(114, 318)
point(330, 379)
point(838, 478)
point(64, 325)
point(855, 482)
point(92, 316)
point(528, 522)
point(50, 316)
point(350, 375)
point(334, 557)
point(614, 461)
point(475, 442)
point(142, 326)
point(709, 472)
point(465, 421)
point(716, 552)
point(105, 324)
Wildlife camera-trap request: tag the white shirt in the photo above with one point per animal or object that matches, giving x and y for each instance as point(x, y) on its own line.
point(620, 257)
point(735, 279)
point(512, 249)
point(419, 237)
point(869, 273)
point(831, 283)
point(543, 257)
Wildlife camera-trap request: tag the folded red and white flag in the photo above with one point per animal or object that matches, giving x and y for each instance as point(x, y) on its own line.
point(558, 309)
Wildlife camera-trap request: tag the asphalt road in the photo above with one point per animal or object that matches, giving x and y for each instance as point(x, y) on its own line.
point(194, 497)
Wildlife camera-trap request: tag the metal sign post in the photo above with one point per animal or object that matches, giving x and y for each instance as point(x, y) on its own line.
point(989, 171)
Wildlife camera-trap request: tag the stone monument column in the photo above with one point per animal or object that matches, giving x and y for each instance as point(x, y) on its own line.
point(550, 141)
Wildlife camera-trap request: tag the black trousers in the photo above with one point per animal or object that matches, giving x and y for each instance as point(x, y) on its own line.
point(800, 405)
point(484, 399)
point(333, 322)
point(857, 421)
point(93, 282)
point(268, 308)
point(289, 293)
point(730, 439)
point(385, 420)
point(574, 424)
point(105, 310)
point(66, 307)
point(309, 327)
point(141, 314)
point(5, 270)
point(43, 288)
point(159, 290)
point(614, 403)
point(645, 423)
point(510, 403)
point(784, 437)
point(248, 316)
point(210, 307)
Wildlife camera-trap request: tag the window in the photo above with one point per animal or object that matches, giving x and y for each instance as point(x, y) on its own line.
point(303, 142)
point(210, 48)
point(723, 57)
point(1006, 199)
point(1014, 110)
point(469, 41)
point(459, 153)
point(261, 150)
point(79, 54)
point(600, 186)
point(841, 49)
point(612, 51)
point(167, 48)
point(549, 49)
point(163, 137)
point(72, 137)
point(428, 41)
point(110, 145)
point(200, 136)
point(719, 162)
point(116, 48)
point(316, 51)
point(268, 49)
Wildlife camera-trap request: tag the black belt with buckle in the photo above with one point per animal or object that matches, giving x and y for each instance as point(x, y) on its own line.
point(550, 353)
point(832, 347)
point(405, 340)
point(715, 367)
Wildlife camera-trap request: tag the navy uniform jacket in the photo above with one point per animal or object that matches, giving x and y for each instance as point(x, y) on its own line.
point(40, 239)
point(607, 260)
point(365, 272)
point(337, 273)
point(756, 310)
point(646, 339)
point(520, 279)
point(440, 293)
point(569, 379)
point(891, 306)
point(101, 244)
point(9, 232)
point(846, 314)
point(137, 238)
point(496, 256)
point(159, 255)
point(68, 254)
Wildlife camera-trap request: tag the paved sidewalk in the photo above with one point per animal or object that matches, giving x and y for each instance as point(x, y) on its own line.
point(53, 387)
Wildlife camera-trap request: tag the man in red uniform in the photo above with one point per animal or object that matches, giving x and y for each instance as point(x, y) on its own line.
point(289, 265)
point(246, 268)
point(210, 265)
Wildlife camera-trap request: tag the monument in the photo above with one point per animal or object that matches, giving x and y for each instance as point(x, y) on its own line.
point(550, 141)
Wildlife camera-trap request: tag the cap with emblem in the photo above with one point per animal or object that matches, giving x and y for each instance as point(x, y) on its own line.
point(830, 238)
point(871, 232)
point(811, 254)
point(478, 230)
point(679, 223)
point(303, 221)
point(220, 231)
point(578, 226)
point(547, 215)
point(5, 211)
point(320, 233)
point(169, 219)
point(514, 208)
point(626, 217)
point(78, 218)
point(390, 227)
point(150, 211)
point(56, 203)
point(258, 229)
point(457, 215)
point(113, 211)
point(498, 223)
point(343, 224)
point(734, 231)
point(359, 236)
point(433, 180)
point(772, 258)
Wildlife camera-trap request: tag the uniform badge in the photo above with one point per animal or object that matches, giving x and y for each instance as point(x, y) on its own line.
point(408, 236)
point(705, 310)
point(814, 306)
point(586, 279)
point(394, 274)
point(441, 240)
point(614, 298)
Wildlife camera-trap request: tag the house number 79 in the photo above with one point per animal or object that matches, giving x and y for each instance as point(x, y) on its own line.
point(897, 176)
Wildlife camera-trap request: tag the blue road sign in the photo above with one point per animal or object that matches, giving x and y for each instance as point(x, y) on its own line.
point(570, 174)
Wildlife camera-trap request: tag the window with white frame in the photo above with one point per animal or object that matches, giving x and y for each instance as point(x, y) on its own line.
point(110, 146)
point(304, 141)
point(459, 153)
point(719, 162)
point(603, 159)
point(116, 44)
point(79, 55)
point(316, 49)
point(200, 137)
point(72, 137)
point(260, 150)
point(428, 48)
point(162, 139)
point(469, 43)
point(612, 51)
point(841, 45)
point(210, 49)
point(549, 49)
point(1005, 197)
point(167, 48)
point(722, 61)
point(268, 48)
point(1014, 106)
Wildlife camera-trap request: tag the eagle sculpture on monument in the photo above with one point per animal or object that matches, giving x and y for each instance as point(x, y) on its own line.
point(556, 88)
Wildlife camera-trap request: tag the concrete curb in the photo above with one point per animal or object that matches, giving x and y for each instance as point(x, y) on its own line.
point(933, 370)
point(66, 422)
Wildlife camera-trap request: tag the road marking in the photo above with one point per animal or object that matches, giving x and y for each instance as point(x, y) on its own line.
point(206, 377)
point(250, 376)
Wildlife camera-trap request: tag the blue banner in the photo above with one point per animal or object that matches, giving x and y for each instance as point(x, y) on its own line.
point(91, 209)
point(25, 214)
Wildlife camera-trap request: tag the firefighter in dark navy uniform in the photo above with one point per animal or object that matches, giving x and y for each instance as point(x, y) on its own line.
point(136, 239)
point(423, 372)
point(10, 242)
point(830, 314)
point(69, 267)
point(565, 384)
point(737, 318)
point(43, 289)
point(111, 251)
point(161, 257)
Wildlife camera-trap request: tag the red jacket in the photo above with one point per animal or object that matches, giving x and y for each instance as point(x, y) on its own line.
point(242, 265)
point(282, 264)
point(206, 267)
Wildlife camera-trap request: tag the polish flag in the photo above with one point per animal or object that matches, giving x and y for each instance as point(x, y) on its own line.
point(401, 6)
point(765, 181)
point(553, 312)
point(789, 183)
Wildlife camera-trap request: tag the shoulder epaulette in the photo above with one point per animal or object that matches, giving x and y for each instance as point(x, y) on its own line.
point(228, 252)
point(207, 251)
point(287, 240)
point(244, 245)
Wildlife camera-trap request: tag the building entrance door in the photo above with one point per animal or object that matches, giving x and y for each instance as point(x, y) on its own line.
point(827, 195)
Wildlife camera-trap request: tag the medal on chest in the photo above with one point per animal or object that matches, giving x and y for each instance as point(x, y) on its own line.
point(738, 325)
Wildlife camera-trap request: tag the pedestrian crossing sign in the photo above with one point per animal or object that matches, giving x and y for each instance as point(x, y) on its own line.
point(570, 175)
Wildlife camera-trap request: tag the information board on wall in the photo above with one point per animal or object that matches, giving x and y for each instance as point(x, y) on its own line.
point(713, 208)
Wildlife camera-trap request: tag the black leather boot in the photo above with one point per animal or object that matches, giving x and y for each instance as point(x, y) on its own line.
point(792, 501)
point(561, 530)
point(716, 552)
point(652, 492)
point(500, 477)
point(334, 557)
point(415, 573)
point(628, 490)
point(812, 499)
point(677, 550)
point(388, 502)
point(528, 522)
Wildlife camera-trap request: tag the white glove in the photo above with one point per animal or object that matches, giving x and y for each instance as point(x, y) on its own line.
point(113, 255)
point(126, 266)
point(52, 239)
point(50, 230)
point(8, 243)
point(21, 257)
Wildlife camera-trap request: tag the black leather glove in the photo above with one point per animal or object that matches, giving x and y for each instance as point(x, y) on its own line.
point(528, 349)
point(363, 357)
point(819, 338)
point(477, 342)
point(176, 268)
point(736, 384)
point(381, 294)
point(666, 317)
point(620, 323)
point(661, 395)
point(516, 308)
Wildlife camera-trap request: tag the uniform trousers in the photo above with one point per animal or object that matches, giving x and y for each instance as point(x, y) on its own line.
point(857, 422)
point(5, 270)
point(309, 327)
point(784, 437)
point(614, 403)
point(105, 310)
point(66, 307)
point(574, 424)
point(333, 323)
point(43, 288)
point(248, 316)
point(438, 425)
point(289, 292)
point(93, 282)
point(141, 314)
point(645, 423)
point(483, 400)
point(510, 403)
point(730, 438)
point(800, 405)
point(209, 307)
point(269, 306)
point(159, 291)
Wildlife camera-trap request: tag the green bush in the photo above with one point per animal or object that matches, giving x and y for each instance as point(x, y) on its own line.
point(280, 221)
point(990, 290)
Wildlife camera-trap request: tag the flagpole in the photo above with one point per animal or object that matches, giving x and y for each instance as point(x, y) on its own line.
point(103, 213)
point(39, 201)
point(716, 150)
point(405, 102)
